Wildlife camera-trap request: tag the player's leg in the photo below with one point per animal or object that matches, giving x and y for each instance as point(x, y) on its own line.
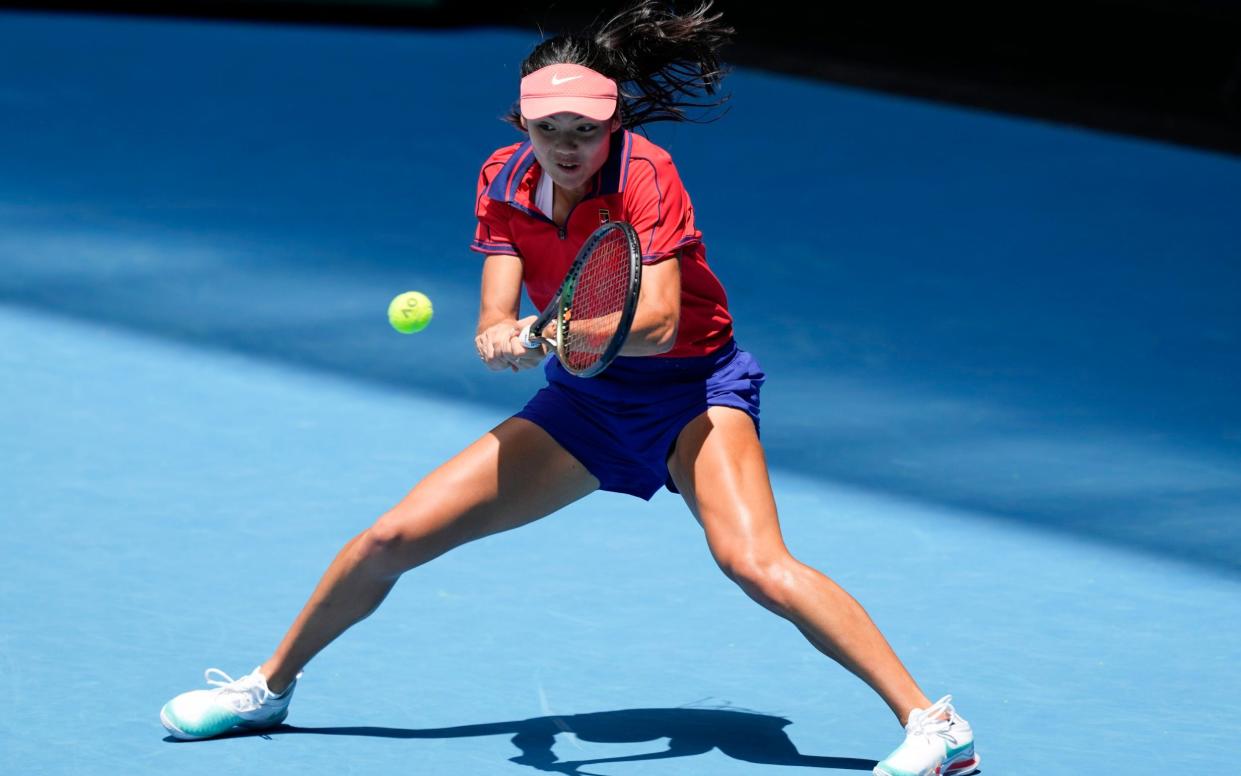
point(513, 475)
point(719, 467)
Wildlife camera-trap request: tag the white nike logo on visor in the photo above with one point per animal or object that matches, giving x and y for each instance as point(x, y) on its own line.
point(557, 80)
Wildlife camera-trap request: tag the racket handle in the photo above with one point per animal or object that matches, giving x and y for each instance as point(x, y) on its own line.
point(526, 340)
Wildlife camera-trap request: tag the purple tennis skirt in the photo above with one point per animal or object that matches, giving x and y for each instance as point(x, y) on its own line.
point(622, 424)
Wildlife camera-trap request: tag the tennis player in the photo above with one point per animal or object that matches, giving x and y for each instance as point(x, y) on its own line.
point(678, 408)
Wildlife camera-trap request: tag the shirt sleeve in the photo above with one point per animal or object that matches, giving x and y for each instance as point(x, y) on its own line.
point(491, 236)
point(659, 209)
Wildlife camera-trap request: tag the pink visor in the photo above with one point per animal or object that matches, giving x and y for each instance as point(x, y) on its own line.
point(568, 89)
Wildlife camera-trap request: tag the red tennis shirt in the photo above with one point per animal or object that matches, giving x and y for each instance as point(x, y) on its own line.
point(638, 184)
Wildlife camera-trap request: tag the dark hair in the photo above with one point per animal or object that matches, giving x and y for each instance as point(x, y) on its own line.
point(663, 62)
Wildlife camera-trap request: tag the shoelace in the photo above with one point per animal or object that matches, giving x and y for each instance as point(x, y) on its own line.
point(926, 722)
point(241, 695)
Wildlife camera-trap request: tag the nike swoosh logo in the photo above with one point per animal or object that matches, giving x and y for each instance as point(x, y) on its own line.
point(557, 80)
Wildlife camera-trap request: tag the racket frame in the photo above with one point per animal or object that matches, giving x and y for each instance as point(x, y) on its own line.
point(532, 335)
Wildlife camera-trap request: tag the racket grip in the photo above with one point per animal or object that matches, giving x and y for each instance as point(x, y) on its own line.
point(526, 340)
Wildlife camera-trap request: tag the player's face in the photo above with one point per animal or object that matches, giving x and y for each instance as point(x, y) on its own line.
point(570, 147)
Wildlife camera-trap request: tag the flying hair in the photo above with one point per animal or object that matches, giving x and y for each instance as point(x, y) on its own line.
point(665, 63)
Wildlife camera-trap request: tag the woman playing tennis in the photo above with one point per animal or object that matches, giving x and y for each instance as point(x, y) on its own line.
point(677, 408)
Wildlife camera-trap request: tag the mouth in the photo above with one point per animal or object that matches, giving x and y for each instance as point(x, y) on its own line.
point(567, 166)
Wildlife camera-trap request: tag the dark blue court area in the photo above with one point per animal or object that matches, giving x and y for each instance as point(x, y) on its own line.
point(1004, 362)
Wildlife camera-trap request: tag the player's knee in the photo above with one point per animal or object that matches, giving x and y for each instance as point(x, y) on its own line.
point(768, 579)
point(386, 545)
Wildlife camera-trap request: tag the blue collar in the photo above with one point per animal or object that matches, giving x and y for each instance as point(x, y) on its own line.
point(519, 169)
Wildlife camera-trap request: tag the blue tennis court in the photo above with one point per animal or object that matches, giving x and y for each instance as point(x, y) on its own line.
point(1004, 362)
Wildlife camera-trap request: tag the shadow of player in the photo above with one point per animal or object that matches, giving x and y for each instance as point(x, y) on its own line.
point(742, 735)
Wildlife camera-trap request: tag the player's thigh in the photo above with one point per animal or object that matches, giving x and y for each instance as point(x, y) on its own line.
point(719, 466)
point(513, 475)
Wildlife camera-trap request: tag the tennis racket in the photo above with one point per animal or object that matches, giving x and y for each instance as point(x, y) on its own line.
point(595, 305)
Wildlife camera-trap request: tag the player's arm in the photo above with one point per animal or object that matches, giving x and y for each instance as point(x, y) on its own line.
point(655, 323)
point(496, 336)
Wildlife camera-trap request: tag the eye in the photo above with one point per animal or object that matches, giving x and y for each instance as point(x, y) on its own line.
point(586, 129)
point(545, 127)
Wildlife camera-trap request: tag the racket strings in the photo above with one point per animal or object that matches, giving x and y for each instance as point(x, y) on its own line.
point(599, 298)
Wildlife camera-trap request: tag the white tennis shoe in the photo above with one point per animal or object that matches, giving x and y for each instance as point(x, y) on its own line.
point(933, 746)
point(244, 703)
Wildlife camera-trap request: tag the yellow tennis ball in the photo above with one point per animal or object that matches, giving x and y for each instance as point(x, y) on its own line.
point(410, 312)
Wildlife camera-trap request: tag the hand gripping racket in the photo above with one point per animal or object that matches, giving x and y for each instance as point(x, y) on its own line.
point(595, 305)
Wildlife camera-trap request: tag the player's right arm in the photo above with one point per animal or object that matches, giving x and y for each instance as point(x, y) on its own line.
point(498, 334)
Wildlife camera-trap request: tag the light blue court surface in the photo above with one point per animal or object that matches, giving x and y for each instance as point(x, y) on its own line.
point(1002, 411)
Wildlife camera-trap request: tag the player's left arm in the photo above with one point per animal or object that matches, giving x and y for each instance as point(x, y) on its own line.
point(654, 328)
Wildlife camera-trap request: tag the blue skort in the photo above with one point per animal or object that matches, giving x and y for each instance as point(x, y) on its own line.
point(623, 424)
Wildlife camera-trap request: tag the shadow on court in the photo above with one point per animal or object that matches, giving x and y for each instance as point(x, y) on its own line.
point(746, 736)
